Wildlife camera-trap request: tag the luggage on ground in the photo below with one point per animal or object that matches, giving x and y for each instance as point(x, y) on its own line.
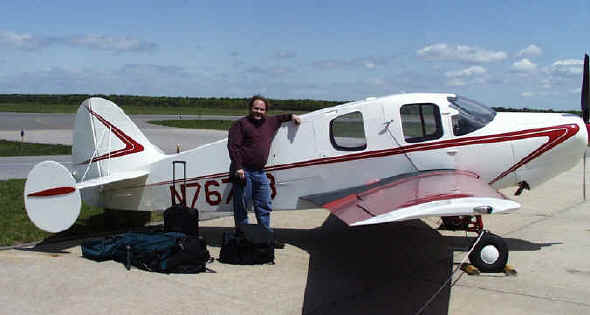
point(252, 245)
point(170, 252)
point(179, 217)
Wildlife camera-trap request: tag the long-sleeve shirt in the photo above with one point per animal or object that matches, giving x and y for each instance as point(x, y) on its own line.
point(249, 141)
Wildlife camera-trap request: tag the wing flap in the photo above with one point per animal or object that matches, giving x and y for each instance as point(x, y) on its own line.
point(415, 195)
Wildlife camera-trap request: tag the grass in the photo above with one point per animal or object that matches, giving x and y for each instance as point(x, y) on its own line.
point(14, 148)
point(195, 124)
point(131, 110)
point(15, 226)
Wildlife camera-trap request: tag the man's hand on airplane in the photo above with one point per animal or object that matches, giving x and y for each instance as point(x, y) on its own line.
point(240, 174)
point(296, 119)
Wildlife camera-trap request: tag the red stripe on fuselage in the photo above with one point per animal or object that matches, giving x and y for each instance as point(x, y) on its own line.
point(131, 146)
point(53, 192)
point(556, 134)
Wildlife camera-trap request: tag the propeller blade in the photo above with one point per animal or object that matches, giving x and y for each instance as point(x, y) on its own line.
point(585, 88)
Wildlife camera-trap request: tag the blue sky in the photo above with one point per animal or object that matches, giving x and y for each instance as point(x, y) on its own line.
point(513, 53)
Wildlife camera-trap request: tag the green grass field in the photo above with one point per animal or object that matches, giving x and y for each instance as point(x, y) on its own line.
point(14, 148)
point(195, 124)
point(15, 226)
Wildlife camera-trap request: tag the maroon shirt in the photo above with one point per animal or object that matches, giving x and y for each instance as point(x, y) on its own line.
point(249, 141)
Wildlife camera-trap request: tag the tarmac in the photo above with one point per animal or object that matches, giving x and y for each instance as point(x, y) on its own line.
point(329, 268)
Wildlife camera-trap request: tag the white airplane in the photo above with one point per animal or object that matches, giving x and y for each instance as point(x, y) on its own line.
point(378, 160)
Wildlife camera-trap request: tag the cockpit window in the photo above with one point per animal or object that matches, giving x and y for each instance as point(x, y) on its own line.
point(472, 115)
point(420, 122)
point(347, 132)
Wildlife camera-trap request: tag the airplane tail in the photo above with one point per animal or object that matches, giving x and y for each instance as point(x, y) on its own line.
point(108, 149)
point(106, 141)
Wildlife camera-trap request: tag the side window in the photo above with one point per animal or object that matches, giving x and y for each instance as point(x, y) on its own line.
point(347, 132)
point(420, 122)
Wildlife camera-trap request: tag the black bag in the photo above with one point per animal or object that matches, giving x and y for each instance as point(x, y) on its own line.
point(191, 257)
point(179, 217)
point(253, 245)
point(159, 252)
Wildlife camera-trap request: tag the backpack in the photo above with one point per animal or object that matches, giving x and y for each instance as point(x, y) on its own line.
point(170, 252)
point(252, 245)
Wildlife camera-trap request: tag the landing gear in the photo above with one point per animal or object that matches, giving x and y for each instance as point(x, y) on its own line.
point(490, 254)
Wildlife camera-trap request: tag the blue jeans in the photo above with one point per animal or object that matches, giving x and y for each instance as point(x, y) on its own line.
point(256, 189)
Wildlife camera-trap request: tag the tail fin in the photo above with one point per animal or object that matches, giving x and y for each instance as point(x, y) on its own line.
point(107, 141)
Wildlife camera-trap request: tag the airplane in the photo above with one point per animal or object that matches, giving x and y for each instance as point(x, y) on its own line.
point(377, 160)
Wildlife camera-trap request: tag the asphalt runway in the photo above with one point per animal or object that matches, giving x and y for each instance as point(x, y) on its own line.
point(329, 268)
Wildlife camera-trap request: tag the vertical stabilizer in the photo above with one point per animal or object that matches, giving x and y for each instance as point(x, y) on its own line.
point(106, 141)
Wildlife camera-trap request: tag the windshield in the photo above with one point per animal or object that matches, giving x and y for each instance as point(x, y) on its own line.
point(472, 115)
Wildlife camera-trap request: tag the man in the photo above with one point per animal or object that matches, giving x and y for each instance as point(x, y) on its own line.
point(249, 145)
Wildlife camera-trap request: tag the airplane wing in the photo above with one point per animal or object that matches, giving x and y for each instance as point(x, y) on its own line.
point(415, 195)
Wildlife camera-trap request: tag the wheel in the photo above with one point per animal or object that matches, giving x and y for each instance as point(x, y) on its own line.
point(454, 222)
point(490, 254)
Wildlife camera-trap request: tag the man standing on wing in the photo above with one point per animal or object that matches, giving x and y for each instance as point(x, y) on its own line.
point(249, 145)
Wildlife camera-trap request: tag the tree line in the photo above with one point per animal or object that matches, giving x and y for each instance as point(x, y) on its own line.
point(305, 105)
point(164, 101)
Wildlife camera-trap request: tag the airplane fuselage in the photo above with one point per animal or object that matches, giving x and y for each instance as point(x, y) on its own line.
point(362, 142)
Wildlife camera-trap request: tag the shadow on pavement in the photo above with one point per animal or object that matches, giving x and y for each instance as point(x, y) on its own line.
point(376, 269)
point(379, 269)
point(514, 244)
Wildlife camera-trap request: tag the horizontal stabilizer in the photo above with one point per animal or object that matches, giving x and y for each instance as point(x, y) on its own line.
point(117, 178)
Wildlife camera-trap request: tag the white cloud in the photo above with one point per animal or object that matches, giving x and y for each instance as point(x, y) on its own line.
point(443, 51)
point(21, 41)
point(284, 54)
point(152, 69)
point(531, 51)
point(270, 70)
point(115, 44)
point(527, 94)
point(566, 68)
point(468, 72)
point(456, 82)
point(524, 65)
point(369, 63)
point(27, 41)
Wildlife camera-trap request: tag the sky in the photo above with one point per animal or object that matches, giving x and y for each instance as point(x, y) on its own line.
point(501, 53)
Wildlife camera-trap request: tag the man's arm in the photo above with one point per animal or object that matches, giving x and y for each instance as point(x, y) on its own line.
point(288, 117)
point(234, 144)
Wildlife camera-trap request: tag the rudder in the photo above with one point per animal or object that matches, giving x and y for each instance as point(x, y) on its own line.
point(106, 140)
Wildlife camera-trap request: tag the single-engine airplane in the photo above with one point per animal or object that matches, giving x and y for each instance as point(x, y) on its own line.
point(377, 160)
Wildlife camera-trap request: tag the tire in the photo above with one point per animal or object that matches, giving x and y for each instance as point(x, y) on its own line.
point(490, 254)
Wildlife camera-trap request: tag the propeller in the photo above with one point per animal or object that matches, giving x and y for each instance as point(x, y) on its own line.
point(585, 112)
point(585, 88)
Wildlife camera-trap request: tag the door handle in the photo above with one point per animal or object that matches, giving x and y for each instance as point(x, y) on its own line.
point(452, 152)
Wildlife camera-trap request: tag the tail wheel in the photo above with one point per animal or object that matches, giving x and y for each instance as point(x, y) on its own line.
point(490, 254)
